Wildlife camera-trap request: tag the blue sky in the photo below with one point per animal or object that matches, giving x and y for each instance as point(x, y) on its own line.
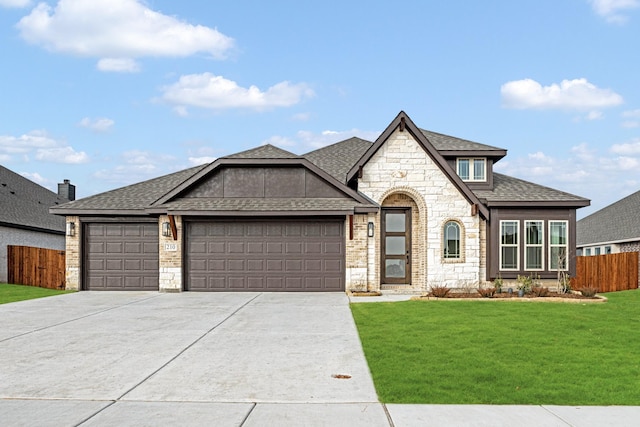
point(107, 93)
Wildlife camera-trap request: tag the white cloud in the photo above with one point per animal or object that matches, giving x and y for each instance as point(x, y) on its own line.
point(594, 115)
point(15, 3)
point(36, 177)
point(117, 31)
point(629, 148)
point(217, 93)
point(633, 119)
point(305, 141)
point(100, 125)
point(577, 94)
point(137, 165)
point(301, 117)
point(61, 155)
point(118, 65)
point(610, 9)
point(42, 146)
point(603, 177)
point(195, 161)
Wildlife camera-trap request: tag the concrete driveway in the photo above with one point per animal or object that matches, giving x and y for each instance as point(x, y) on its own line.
point(137, 358)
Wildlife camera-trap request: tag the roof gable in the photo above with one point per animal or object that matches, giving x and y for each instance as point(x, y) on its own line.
point(405, 124)
point(209, 182)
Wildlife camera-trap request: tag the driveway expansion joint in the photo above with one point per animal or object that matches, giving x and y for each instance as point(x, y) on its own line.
point(181, 352)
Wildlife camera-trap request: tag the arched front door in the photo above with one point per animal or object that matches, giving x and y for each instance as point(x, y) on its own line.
point(396, 246)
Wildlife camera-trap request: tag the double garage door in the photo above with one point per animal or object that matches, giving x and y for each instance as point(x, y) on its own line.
point(261, 255)
point(292, 255)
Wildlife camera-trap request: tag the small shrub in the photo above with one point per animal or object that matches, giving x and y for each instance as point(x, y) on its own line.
point(524, 283)
point(439, 291)
point(564, 282)
point(487, 292)
point(497, 283)
point(539, 291)
point(589, 291)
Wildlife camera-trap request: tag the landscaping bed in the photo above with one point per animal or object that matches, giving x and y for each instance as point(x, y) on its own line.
point(549, 297)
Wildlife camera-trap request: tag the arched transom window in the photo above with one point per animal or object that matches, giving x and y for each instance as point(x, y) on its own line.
point(451, 240)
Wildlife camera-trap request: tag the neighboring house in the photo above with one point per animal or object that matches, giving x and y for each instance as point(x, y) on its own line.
point(613, 229)
point(411, 210)
point(24, 215)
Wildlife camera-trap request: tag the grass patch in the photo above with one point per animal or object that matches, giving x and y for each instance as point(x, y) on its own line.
point(13, 293)
point(474, 352)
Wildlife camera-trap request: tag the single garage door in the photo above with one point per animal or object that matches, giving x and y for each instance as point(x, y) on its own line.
point(121, 256)
point(269, 255)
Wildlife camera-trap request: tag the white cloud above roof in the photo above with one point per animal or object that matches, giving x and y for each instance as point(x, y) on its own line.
point(576, 94)
point(628, 148)
point(39, 144)
point(217, 93)
point(611, 10)
point(15, 3)
point(118, 31)
point(100, 125)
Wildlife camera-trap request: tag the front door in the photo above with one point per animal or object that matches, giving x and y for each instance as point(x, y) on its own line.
point(396, 246)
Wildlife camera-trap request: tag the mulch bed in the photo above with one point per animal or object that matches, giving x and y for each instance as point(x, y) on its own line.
point(550, 297)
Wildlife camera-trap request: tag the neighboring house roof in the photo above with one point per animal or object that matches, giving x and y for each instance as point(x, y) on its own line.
point(618, 222)
point(510, 191)
point(25, 204)
point(267, 151)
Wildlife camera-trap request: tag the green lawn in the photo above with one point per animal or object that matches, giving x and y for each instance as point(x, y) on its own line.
point(477, 352)
point(13, 293)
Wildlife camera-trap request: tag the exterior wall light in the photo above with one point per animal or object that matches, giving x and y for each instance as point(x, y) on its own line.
point(370, 229)
point(71, 229)
point(166, 229)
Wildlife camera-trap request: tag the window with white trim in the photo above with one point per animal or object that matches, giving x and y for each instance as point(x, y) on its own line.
point(587, 252)
point(509, 249)
point(452, 240)
point(534, 240)
point(607, 250)
point(597, 251)
point(558, 245)
point(472, 169)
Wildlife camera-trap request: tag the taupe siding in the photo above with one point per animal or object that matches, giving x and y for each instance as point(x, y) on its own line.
point(267, 255)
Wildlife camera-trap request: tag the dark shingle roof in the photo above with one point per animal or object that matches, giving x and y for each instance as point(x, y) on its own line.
point(450, 143)
point(133, 197)
point(510, 189)
point(24, 203)
point(620, 221)
point(267, 151)
point(261, 204)
point(337, 159)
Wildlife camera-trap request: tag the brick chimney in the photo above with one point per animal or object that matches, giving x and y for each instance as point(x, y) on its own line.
point(67, 190)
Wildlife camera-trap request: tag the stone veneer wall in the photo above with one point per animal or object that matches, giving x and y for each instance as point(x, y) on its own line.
point(72, 256)
point(401, 166)
point(170, 257)
point(356, 274)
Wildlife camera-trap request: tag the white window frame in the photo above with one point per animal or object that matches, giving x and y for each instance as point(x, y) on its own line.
point(534, 245)
point(445, 255)
point(556, 245)
point(510, 245)
point(471, 163)
point(587, 252)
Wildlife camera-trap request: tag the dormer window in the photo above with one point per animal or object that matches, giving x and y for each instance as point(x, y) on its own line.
point(471, 169)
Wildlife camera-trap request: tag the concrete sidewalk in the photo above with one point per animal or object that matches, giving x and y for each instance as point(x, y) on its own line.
point(227, 359)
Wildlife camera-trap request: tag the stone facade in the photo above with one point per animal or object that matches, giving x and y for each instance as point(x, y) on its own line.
point(170, 257)
point(401, 174)
point(72, 256)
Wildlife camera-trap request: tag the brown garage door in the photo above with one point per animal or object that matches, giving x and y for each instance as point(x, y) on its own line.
point(274, 256)
point(121, 256)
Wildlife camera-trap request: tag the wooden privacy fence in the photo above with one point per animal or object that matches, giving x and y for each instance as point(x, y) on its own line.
point(40, 267)
point(609, 273)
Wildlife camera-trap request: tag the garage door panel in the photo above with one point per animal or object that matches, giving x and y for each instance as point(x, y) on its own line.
point(270, 255)
point(121, 256)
